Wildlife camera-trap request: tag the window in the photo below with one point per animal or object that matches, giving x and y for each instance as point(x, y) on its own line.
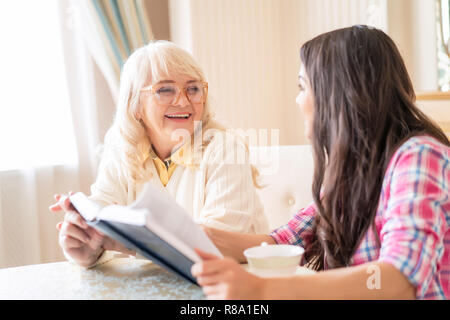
point(35, 122)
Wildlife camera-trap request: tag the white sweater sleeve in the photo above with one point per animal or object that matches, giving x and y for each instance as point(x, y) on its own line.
point(231, 201)
point(111, 185)
point(109, 188)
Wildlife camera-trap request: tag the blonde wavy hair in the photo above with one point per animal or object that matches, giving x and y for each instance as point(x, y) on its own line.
point(127, 138)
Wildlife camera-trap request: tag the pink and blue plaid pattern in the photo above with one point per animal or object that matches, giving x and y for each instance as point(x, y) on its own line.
point(412, 220)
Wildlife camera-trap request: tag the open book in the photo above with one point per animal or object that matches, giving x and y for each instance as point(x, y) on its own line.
point(154, 226)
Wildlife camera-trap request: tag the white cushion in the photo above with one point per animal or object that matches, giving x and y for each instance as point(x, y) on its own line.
point(286, 172)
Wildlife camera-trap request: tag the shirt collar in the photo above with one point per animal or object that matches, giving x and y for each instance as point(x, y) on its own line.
point(182, 156)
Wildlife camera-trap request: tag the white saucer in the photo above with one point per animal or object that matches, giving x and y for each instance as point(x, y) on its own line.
point(300, 270)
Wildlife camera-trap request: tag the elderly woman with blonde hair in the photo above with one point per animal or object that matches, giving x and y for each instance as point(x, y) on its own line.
point(163, 109)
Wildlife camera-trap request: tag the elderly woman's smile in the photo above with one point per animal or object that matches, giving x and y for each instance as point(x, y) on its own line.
point(179, 117)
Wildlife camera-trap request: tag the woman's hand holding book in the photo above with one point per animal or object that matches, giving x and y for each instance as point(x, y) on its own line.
point(79, 241)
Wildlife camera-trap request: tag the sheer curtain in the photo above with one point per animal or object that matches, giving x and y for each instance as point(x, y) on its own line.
point(38, 155)
point(56, 120)
point(27, 228)
point(112, 30)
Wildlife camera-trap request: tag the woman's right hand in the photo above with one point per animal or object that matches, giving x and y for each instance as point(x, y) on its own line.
point(79, 241)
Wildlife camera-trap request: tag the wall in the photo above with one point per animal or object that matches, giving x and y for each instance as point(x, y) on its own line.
point(158, 13)
point(326, 15)
point(438, 110)
point(412, 25)
point(250, 52)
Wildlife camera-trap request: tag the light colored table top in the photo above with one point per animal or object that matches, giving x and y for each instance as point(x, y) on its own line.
point(118, 279)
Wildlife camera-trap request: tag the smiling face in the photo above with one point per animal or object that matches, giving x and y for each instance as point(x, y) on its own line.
point(305, 101)
point(162, 115)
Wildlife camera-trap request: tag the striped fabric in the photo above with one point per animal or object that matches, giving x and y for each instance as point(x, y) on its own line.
point(412, 220)
point(113, 29)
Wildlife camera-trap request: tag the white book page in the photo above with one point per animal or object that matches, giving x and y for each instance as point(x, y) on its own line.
point(124, 214)
point(176, 242)
point(85, 207)
point(166, 216)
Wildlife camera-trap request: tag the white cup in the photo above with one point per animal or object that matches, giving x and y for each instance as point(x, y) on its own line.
point(278, 260)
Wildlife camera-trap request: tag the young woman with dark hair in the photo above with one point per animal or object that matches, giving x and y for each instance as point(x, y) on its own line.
point(380, 186)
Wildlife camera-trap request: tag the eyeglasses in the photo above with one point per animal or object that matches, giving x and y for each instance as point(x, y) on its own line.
point(169, 93)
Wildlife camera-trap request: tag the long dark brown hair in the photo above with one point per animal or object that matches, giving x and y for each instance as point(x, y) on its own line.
point(364, 110)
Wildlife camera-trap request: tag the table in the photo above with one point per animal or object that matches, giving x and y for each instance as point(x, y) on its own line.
point(118, 279)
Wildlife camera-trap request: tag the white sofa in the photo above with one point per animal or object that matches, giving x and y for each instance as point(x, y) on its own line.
point(286, 172)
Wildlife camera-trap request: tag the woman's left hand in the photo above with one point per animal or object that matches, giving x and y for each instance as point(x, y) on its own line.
point(224, 278)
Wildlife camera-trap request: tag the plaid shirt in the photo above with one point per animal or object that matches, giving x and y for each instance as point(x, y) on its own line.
point(412, 219)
